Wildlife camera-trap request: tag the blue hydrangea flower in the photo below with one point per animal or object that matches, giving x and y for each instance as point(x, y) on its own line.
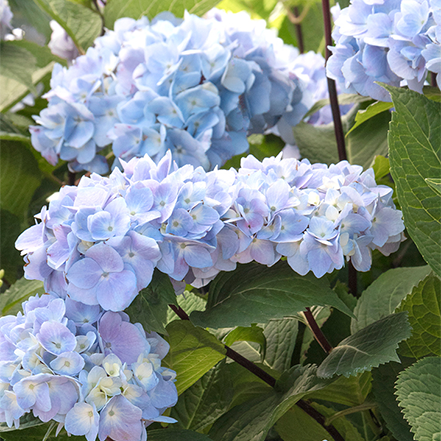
point(113, 386)
point(192, 224)
point(392, 41)
point(198, 87)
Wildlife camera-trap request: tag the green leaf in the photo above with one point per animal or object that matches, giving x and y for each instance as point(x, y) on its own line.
point(418, 389)
point(193, 352)
point(8, 136)
point(344, 98)
point(10, 259)
point(175, 435)
point(435, 183)
point(204, 402)
point(11, 300)
point(371, 346)
point(81, 24)
point(17, 64)
point(19, 177)
point(116, 9)
point(423, 306)
point(415, 155)
point(254, 293)
point(251, 421)
point(35, 430)
point(317, 143)
point(368, 113)
point(252, 333)
point(384, 378)
point(297, 425)
point(189, 302)
point(42, 54)
point(13, 91)
point(385, 294)
point(280, 338)
point(150, 306)
point(381, 167)
point(350, 391)
point(26, 421)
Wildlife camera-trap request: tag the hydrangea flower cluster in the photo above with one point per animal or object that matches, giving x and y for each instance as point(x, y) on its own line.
point(5, 18)
point(390, 41)
point(100, 242)
point(196, 86)
point(92, 371)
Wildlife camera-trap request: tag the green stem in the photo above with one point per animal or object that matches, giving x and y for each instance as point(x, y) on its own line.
point(349, 411)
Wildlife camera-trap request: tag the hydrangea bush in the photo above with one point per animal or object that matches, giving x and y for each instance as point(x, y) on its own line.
point(186, 279)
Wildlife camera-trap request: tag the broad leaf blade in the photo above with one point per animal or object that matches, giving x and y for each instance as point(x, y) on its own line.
point(189, 302)
point(371, 346)
point(384, 378)
point(385, 294)
point(368, 113)
point(175, 435)
point(250, 421)
point(423, 306)
point(415, 155)
point(256, 294)
point(10, 259)
point(418, 389)
point(193, 352)
point(204, 402)
point(81, 24)
point(17, 64)
point(11, 300)
point(150, 306)
point(280, 338)
point(116, 9)
point(19, 177)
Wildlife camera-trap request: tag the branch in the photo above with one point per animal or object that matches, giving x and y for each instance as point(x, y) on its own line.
point(293, 17)
point(332, 88)
point(71, 178)
point(268, 379)
point(317, 332)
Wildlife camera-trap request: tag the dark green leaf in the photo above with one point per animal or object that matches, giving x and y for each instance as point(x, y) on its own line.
point(81, 24)
point(297, 425)
point(193, 352)
point(344, 98)
point(423, 306)
point(317, 143)
point(384, 378)
point(254, 293)
point(116, 9)
point(368, 113)
point(385, 294)
point(150, 306)
point(418, 389)
point(42, 54)
point(415, 155)
point(19, 177)
point(8, 136)
point(350, 391)
point(11, 300)
point(371, 346)
point(10, 259)
point(280, 338)
point(170, 434)
point(204, 402)
point(251, 421)
point(35, 430)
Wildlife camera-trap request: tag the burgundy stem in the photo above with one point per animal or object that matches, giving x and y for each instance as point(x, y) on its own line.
point(317, 332)
point(332, 88)
point(299, 33)
point(71, 178)
point(268, 379)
